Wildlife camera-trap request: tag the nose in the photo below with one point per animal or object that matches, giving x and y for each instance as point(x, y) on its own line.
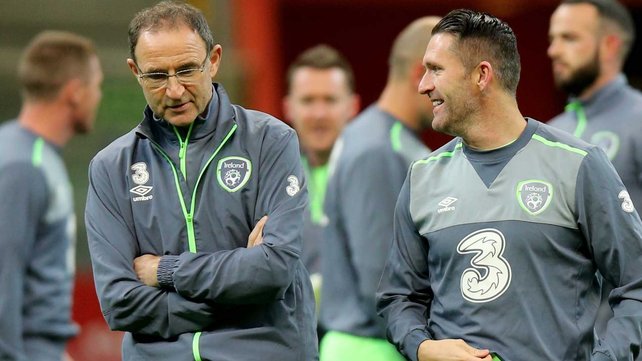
point(319, 110)
point(426, 85)
point(174, 88)
point(552, 49)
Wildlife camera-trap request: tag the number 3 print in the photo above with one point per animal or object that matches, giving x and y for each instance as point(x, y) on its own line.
point(490, 274)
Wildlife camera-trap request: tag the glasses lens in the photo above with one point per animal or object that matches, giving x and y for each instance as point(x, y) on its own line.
point(155, 80)
point(188, 75)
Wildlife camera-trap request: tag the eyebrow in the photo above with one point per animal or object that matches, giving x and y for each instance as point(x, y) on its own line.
point(187, 65)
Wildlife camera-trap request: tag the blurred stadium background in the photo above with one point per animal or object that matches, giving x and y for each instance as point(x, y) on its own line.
point(259, 39)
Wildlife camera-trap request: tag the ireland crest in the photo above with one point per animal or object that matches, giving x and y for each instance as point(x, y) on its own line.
point(233, 172)
point(534, 196)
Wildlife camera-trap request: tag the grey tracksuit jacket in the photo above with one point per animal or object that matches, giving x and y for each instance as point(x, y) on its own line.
point(613, 122)
point(367, 168)
point(37, 248)
point(193, 197)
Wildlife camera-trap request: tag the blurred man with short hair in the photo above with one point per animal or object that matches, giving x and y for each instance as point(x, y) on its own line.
point(60, 78)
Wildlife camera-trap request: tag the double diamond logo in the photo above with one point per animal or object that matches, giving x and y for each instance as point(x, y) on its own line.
point(446, 204)
point(141, 190)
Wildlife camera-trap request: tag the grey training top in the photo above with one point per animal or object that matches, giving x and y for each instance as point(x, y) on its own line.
point(37, 238)
point(614, 122)
point(500, 249)
point(367, 168)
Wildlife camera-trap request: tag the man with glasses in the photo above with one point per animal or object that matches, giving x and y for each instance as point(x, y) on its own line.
point(184, 258)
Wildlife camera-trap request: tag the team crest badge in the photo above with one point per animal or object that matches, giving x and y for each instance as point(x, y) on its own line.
point(608, 141)
point(534, 196)
point(233, 172)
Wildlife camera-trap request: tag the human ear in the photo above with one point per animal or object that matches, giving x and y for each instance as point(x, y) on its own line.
point(484, 73)
point(215, 59)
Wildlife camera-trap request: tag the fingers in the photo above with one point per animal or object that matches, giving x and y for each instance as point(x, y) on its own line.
point(145, 267)
point(256, 236)
point(481, 353)
point(451, 349)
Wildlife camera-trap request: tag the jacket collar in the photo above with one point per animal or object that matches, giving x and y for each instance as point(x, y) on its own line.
point(219, 115)
point(604, 96)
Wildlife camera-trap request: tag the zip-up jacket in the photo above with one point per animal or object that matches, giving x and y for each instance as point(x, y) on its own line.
point(37, 240)
point(193, 196)
point(366, 174)
point(612, 119)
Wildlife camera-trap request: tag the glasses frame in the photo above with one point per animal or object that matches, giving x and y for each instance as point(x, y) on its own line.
point(142, 76)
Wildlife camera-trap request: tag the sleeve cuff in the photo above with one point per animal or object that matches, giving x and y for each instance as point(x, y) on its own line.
point(412, 341)
point(600, 356)
point(165, 272)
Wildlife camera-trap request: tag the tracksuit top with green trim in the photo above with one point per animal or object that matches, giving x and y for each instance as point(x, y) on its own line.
point(612, 119)
point(500, 249)
point(192, 196)
point(37, 241)
point(315, 220)
point(368, 165)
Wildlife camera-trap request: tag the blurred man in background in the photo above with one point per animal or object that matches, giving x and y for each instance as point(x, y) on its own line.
point(321, 99)
point(589, 43)
point(60, 77)
point(367, 169)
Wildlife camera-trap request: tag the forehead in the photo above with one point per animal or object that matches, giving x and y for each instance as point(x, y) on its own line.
point(440, 49)
point(170, 45)
point(575, 17)
point(314, 79)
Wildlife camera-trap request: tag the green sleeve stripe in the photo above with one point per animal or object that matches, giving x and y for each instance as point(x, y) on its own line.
point(559, 145)
point(36, 154)
point(195, 349)
point(395, 136)
point(440, 155)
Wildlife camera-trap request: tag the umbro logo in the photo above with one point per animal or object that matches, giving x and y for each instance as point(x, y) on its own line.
point(141, 190)
point(446, 204)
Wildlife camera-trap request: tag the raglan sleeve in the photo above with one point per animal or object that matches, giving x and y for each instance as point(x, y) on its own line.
point(360, 233)
point(608, 219)
point(260, 274)
point(127, 304)
point(404, 293)
point(23, 203)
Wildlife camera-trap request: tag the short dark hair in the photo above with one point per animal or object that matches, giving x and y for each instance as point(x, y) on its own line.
point(321, 57)
point(169, 14)
point(482, 37)
point(50, 60)
point(617, 14)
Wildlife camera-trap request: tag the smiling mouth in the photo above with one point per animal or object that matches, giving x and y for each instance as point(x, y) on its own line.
point(437, 102)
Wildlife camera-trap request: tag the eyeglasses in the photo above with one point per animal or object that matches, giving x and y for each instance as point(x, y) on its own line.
point(157, 79)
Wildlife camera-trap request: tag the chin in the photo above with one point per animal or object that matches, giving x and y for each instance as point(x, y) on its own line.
point(181, 121)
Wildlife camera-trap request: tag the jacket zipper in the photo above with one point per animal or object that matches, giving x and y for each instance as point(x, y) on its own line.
point(189, 214)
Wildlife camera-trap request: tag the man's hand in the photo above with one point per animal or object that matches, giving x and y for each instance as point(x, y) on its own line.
point(451, 350)
point(146, 267)
point(256, 236)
